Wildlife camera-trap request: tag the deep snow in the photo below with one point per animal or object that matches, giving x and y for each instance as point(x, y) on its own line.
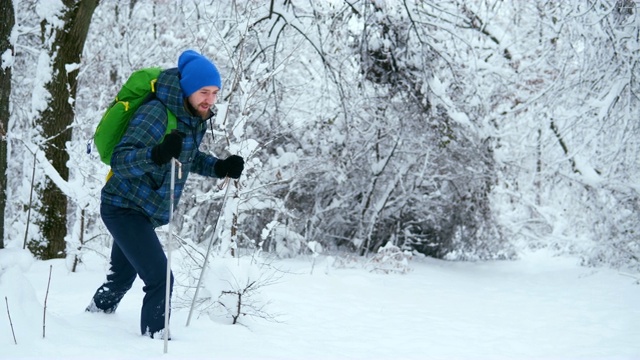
point(538, 307)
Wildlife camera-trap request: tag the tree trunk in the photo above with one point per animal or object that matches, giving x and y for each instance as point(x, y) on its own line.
point(57, 119)
point(6, 26)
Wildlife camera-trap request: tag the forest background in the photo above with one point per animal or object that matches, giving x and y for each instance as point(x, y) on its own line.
point(464, 130)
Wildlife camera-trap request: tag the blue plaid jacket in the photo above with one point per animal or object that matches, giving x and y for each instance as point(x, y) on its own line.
point(137, 182)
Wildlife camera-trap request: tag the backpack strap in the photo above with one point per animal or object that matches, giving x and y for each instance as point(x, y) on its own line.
point(172, 122)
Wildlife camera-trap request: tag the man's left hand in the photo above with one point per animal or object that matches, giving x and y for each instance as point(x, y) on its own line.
point(231, 167)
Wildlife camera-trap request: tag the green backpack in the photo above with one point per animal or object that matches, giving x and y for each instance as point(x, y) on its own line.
point(135, 92)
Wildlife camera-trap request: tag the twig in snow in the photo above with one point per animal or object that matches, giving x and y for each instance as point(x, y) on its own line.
point(637, 278)
point(46, 296)
point(10, 322)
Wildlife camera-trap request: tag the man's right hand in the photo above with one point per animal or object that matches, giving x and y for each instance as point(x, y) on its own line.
point(171, 147)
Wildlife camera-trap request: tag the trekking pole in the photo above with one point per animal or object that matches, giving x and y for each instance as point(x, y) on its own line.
point(167, 295)
point(206, 257)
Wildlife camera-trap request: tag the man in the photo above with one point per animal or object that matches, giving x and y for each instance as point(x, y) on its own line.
point(136, 198)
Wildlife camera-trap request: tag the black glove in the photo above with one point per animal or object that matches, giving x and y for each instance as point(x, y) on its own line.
point(171, 147)
point(231, 167)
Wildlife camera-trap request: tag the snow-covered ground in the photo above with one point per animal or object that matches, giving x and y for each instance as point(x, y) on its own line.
point(539, 307)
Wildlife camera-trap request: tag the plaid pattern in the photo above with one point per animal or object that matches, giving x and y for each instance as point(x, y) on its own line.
point(137, 182)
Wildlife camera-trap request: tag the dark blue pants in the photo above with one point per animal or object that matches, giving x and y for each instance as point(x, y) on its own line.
point(136, 250)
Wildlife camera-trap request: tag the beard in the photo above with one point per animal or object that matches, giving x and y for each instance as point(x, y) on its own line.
point(203, 110)
point(200, 110)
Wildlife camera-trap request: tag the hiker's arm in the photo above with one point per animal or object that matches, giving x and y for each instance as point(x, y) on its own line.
point(203, 164)
point(132, 156)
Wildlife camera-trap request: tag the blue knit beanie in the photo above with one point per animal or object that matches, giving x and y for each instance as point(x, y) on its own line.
point(196, 72)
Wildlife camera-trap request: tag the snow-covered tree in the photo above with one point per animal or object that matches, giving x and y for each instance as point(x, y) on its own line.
point(56, 34)
point(6, 64)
